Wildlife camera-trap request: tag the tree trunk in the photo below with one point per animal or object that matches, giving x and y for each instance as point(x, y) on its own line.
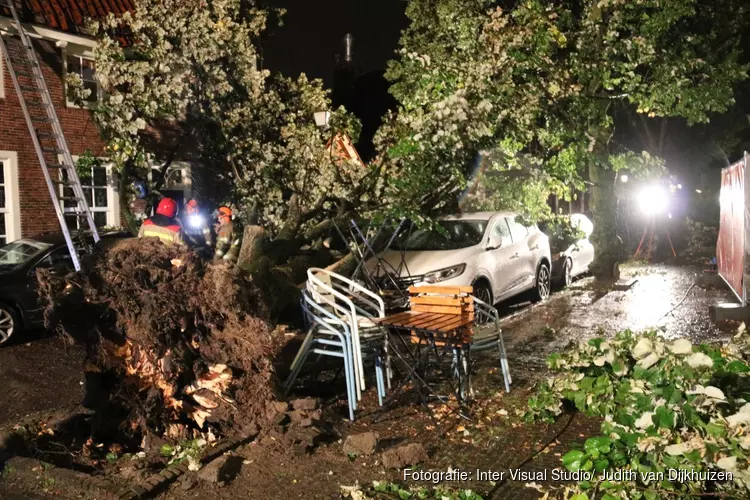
point(126, 212)
point(293, 220)
point(253, 245)
point(344, 266)
point(607, 244)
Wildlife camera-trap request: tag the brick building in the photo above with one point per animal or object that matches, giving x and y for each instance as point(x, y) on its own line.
point(55, 27)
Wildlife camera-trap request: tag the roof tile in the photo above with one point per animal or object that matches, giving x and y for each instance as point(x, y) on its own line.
point(67, 15)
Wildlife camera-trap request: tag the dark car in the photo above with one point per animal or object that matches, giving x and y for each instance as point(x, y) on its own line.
point(19, 260)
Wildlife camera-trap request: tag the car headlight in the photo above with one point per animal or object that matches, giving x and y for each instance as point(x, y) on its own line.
point(444, 274)
point(196, 220)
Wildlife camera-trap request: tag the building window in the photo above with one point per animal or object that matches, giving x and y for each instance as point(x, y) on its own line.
point(10, 217)
point(100, 198)
point(85, 68)
point(4, 223)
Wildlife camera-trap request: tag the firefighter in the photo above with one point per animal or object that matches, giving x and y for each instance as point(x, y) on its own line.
point(227, 239)
point(196, 229)
point(163, 224)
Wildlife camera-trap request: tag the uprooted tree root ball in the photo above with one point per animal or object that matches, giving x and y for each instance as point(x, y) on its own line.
point(176, 348)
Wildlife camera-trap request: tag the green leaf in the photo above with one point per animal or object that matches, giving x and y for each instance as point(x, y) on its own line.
point(665, 417)
point(580, 496)
point(596, 445)
point(596, 342)
point(601, 465)
point(572, 460)
point(737, 367)
point(585, 485)
point(715, 430)
point(166, 450)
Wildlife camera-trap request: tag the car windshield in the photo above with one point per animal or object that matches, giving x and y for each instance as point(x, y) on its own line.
point(455, 234)
point(19, 252)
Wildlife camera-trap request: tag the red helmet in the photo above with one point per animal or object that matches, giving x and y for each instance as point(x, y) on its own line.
point(167, 207)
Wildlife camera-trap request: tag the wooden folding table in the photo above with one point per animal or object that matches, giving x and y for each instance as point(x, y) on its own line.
point(440, 319)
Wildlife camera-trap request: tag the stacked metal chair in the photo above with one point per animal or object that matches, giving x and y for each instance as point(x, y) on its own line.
point(340, 315)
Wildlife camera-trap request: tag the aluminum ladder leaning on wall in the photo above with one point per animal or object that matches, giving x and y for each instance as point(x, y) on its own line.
point(45, 128)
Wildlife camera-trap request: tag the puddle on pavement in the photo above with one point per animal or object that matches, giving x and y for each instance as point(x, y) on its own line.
point(663, 297)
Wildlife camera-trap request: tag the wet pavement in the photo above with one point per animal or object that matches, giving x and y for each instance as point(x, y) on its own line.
point(670, 298)
point(45, 376)
point(40, 376)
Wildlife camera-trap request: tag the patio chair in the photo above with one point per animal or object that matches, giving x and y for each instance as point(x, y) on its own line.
point(327, 336)
point(357, 307)
point(488, 335)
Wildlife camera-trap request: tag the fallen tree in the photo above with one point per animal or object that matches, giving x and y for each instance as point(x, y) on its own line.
point(675, 416)
point(176, 348)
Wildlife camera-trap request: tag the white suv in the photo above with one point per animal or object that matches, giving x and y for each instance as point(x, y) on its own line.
point(490, 250)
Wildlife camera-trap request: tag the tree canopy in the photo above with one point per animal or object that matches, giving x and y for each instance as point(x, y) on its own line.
point(192, 67)
point(538, 84)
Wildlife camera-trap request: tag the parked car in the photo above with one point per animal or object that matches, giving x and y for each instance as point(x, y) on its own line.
point(19, 260)
point(493, 252)
point(573, 256)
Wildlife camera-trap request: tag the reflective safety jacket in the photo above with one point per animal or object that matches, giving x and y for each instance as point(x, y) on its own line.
point(170, 234)
point(227, 243)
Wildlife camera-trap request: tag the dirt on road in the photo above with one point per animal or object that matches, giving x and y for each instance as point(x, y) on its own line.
point(41, 376)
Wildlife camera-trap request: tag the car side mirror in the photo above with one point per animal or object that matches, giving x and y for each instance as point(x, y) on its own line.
point(495, 243)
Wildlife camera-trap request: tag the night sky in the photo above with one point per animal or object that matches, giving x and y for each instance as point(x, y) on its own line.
point(313, 29)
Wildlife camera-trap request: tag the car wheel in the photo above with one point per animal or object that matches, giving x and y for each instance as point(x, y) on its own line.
point(567, 272)
point(10, 323)
point(482, 292)
point(541, 291)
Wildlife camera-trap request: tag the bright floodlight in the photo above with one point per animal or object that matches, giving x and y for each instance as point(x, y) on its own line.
point(196, 220)
point(624, 178)
point(653, 200)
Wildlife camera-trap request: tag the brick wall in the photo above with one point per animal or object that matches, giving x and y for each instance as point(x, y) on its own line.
point(37, 211)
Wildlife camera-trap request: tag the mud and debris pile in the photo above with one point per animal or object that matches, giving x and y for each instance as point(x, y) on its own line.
point(176, 347)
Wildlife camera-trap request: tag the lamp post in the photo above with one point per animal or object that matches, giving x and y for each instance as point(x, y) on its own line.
point(322, 118)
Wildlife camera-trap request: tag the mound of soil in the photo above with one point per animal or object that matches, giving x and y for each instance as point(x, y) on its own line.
point(176, 347)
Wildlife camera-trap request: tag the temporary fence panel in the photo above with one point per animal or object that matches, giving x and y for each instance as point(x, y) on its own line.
point(730, 249)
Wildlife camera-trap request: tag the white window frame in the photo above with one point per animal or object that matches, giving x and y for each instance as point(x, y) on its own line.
point(113, 196)
point(82, 53)
point(12, 196)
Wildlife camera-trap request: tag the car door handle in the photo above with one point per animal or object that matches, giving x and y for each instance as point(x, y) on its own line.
point(514, 256)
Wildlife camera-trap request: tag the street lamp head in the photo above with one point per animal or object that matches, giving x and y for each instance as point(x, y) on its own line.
point(322, 118)
point(624, 178)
